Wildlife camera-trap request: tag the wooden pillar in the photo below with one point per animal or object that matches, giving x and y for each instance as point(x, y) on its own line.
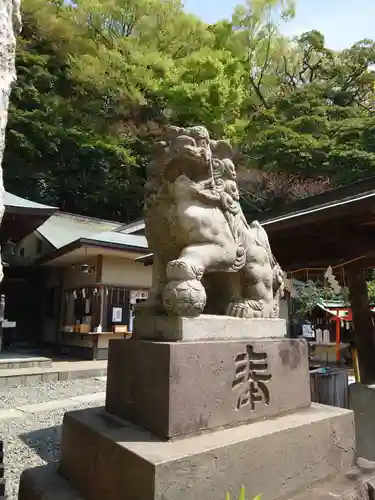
point(102, 298)
point(99, 269)
point(338, 338)
point(362, 322)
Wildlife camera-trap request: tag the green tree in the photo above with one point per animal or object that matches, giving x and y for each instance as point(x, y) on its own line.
point(307, 134)
point(57, 152)
point(257, 42)
point(321, 123)
point(314, 293)
point(98, 82)
point(371, 292)
point(205, 87)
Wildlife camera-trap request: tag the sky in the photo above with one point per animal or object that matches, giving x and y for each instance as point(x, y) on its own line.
point(343, 22)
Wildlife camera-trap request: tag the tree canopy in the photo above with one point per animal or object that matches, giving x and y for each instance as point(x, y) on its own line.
point(99, 80)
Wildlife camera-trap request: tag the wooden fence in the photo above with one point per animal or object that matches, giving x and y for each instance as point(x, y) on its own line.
point(330, 387)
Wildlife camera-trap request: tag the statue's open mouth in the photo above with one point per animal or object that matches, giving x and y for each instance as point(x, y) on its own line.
point(190, 161)
point(189, 153)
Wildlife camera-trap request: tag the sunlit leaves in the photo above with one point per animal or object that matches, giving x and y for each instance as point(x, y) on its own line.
point(98, 80)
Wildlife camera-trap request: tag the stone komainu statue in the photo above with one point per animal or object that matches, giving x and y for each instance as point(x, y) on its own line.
point(206, 256)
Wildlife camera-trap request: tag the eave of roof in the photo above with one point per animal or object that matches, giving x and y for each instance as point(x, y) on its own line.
point(93, 243)
point(64, 228)
point(316, 209)
point(132, 227)
point(335, 199)
point(116, 238)
point(16, 205)
point(146, 259)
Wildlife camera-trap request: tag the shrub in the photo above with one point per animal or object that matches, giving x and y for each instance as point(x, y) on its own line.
point(242, 495)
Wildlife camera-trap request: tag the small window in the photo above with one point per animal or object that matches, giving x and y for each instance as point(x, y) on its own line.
point(22, 252)
point(39, 246)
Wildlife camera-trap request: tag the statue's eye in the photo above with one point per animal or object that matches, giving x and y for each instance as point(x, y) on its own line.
point(202, 143)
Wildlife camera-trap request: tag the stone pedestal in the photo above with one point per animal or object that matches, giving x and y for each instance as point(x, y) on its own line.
point(179, 388)
point(193, 419)
point(362, 402)
point(108, 459)
point(205, 327)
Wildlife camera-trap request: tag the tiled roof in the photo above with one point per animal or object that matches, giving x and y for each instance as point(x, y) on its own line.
point(11, 200)
point(132, 227)
point(63, 228)
point(113, 237)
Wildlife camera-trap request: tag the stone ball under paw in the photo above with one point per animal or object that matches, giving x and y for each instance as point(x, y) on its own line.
point(181, 270)
point(184, 298)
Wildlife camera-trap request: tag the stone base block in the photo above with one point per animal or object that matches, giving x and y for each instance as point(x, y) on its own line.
point(105, 458)
point(205, 327)
point(44, 483)
point(340, 488)
point(362, 402)
point(180, 388)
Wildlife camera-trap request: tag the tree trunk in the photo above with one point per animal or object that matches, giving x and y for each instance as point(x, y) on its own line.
point(10, 25)
point(364, 337)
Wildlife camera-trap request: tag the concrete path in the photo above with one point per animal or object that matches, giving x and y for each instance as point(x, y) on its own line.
point(31, 417)
point(32, 409)
point(59, 371)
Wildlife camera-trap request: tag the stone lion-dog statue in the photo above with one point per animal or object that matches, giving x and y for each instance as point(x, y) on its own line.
point(207, 258)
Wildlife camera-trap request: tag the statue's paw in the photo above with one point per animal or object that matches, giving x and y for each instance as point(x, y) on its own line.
point(182, 270)
point(184, 298)
point(240, 309)
point(245, 308)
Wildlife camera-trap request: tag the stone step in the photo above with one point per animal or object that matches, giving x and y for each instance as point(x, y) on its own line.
point(45, 483)
point(58, 371)
point(105, 457)
point(15, 362)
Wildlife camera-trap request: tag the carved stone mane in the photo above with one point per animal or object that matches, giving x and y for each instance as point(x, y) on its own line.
point(206, 256)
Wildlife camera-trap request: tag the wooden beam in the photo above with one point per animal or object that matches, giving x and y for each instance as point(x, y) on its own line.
point(290, 219)
point(334, 248)
point(302, 257)
point(362, 322)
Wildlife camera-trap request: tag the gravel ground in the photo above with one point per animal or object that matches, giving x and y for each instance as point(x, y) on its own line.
point(18, 396)
point(35, 439)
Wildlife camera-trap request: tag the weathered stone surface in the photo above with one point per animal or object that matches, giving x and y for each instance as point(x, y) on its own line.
point(362, 402)
point(178, 388)
point(370, 482)
point(206, 327)
point(206, 256)
point(44, 483)
point(340, 488)
point(358, 483)
point(105, 458)
point(365, 466)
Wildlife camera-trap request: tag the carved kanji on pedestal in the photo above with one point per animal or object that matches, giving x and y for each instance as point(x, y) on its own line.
point(251, 379)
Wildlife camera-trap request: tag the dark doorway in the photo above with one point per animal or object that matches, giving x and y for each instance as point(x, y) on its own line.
point(24, 298)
